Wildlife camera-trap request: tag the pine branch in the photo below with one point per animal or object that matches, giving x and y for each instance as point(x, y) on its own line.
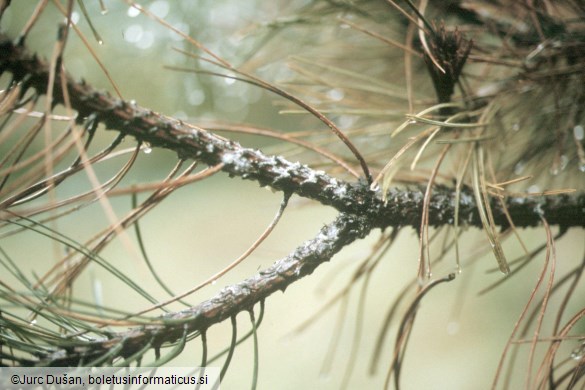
point(403, 207)
point(227, 303)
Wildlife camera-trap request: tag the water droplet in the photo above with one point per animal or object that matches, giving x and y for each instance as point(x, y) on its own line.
point(582, 167)
point(196, 97)
point(133, 33)
point(578, 353)
point(411, 122)
point(214, 282)
point(33, 323)
point(516, 126)
point(147, 149)
point(74, 17)
point(160, 8)
point(579, 132)
point(229, 79)
point(519, 167)
point(98, 292)
point(133, 11)
point(533, 189)
point(336, 94)
point(100, 42)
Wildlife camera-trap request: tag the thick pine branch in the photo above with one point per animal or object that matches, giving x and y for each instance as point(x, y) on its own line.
point(227, 303)
point(403, 207)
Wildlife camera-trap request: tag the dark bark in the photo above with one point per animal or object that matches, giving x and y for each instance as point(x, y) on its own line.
point(227, 303)
point(403, 208)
